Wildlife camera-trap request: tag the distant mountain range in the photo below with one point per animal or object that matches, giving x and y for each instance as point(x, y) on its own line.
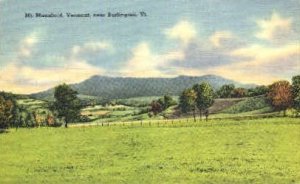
point(127, 87)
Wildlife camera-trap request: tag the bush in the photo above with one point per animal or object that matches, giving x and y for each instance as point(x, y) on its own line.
point(291, 112)
point(84, 118)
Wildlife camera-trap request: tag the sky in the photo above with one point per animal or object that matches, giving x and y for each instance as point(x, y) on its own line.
point(250, 41)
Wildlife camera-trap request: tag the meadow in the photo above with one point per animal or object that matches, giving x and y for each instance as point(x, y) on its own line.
point(218, 151)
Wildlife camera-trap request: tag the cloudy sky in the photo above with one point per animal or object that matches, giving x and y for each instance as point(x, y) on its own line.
point(251, 41)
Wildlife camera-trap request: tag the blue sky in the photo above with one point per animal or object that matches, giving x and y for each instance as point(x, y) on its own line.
point(250, 41)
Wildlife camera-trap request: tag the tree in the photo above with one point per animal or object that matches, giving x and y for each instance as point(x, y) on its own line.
point(161, 104)
point(50, 120)
point(280, 95)
point(9, 115)
point(225, 91)
point(296, 92)
point(17, 117)
point(205, 96)
point(6, 112)
point(259, 90)
point(67, 104)
point(29, 120)
point(168, 101)
point(187, 101)
point(156, 107)
point(239, 93)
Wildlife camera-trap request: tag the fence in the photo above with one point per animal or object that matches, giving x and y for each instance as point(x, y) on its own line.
point(173, 122)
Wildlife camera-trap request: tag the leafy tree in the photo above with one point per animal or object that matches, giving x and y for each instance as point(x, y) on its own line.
point(280, 95)
point(187, 101)
point(156, 107)
point(259, 90)
point(239, 93)
point(67, 104)
point(6, 112)
point(50, 120)
point(29, 120)
point(22, 121)
point(17, 118)
point(225, 91)
point(205, 96)
point(168, 101)
point(39, 119)
point(161, 104)
point(296, 92)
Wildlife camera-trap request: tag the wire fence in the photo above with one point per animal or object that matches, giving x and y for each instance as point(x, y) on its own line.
point(183, 122)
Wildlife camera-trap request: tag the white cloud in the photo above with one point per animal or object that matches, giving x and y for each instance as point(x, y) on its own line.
point(91, 47)
point(27, 45)
point(229, 57)
point(274, 28)
point(184, 31)
point(25, 79)
point(21, 78)
point(258, 63)
point(219, 36)
point(144, 63)
point(260, 54)
point(263, 65)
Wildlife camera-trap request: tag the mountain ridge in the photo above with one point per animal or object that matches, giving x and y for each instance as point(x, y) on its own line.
point(126, 87)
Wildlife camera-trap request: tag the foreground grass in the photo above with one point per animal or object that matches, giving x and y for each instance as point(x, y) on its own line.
point(227, 151)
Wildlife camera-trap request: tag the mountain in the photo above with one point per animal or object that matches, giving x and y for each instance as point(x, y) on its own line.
point(127, 87)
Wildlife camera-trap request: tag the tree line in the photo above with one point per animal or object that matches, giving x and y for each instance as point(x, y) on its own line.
point(229, 91)
point(198, 98)
point(281, 95)
point(66, 107)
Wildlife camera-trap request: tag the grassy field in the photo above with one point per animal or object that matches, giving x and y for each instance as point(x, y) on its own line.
point(227, 151)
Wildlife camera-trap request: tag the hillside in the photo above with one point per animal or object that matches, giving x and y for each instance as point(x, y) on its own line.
point(127, 87)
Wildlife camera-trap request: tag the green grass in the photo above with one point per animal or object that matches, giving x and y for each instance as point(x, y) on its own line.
point(249, 104)
point(247, 151)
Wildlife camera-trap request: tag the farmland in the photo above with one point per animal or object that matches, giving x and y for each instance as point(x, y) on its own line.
point(134, 110)
point(218, 151)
